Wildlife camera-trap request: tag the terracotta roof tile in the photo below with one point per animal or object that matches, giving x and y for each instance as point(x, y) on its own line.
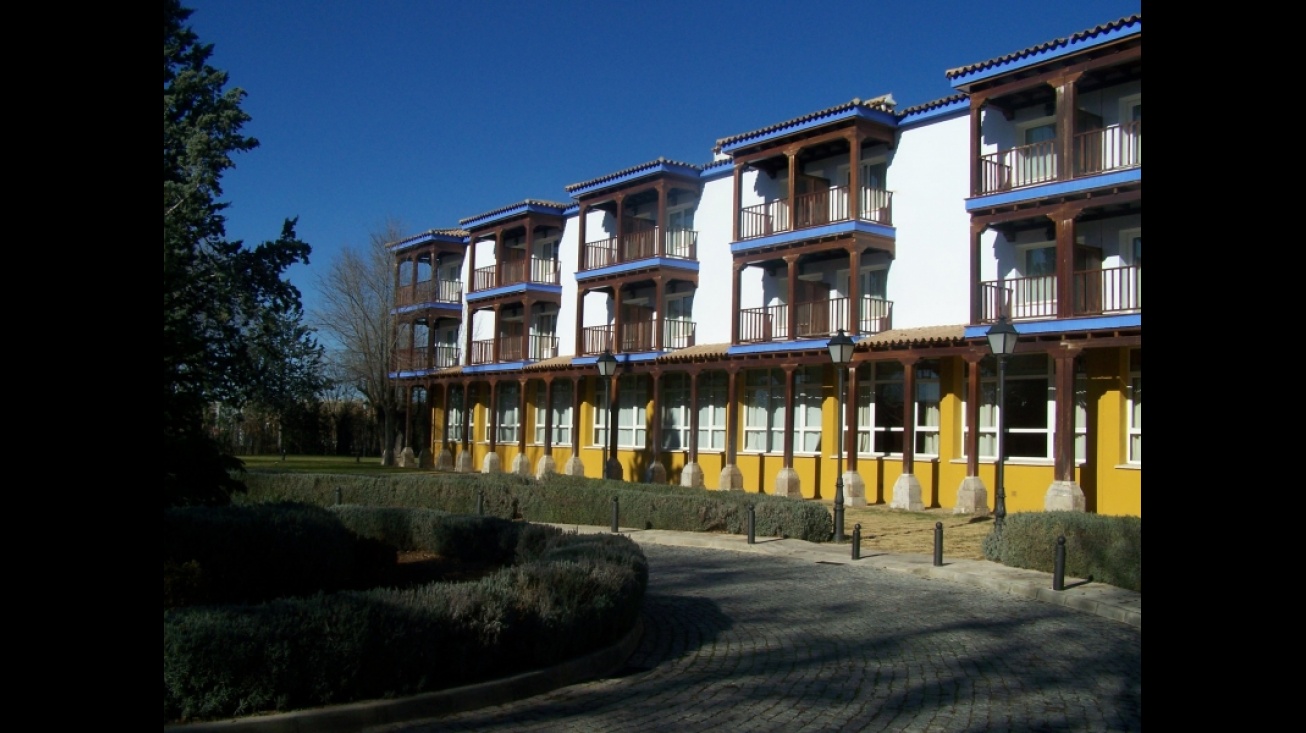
point(428, 233)
point(628, 171)
point(935, 104)
point(904, 336)
point(557, 361)
point(510, 207)
point(883, 103)
point(1048, 46)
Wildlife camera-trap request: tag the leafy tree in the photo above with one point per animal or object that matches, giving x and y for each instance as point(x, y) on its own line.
point(358, 293)
point(232, 324)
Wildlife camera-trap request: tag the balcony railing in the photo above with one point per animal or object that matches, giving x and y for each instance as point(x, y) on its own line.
point(1107, 290)
point(483, 351)
point(596, 339)
point(639, 245)
point(813, 210)
point(814, 319)
point(446, 355)
point(430, 291)
point(636, 337)
point(542, 347)
point(1095, 151)
point(534, 269)
point(677, 334)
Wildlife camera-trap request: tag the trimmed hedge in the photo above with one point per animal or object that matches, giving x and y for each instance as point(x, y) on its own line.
point(1110, 549)
point(566, 595)
point(558, 499)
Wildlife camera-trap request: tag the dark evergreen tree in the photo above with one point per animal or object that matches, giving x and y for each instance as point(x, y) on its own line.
point(232, 323)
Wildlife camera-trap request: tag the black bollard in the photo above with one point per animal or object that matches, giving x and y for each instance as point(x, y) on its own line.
point(1059, 567)
point(480, 503)
point(857, 541)
point(938, 544)
point(752, 525)
point(339, 496)
point(615, 514)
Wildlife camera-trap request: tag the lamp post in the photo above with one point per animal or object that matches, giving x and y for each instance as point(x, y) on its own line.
point(841, 353)
point(1002, 342)
point(607, 364)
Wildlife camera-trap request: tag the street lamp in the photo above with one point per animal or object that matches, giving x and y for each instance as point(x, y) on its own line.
point(1002, 342)
point(607, 364)
point(841, 353)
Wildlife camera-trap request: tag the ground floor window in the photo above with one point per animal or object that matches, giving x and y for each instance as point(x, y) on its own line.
point(1136, 406)
point(764, 410)
point(454, 414)
point(1030, 409)
point(674, 405)
point(809, 389)
point(561, 412)
point(882, 409)
point(712, 400)
point(508, 417)
point(631, 420)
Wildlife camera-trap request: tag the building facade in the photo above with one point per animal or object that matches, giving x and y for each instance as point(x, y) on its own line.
point(718, 286)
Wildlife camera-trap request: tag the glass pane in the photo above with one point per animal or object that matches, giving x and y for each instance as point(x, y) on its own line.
point(1027, 403)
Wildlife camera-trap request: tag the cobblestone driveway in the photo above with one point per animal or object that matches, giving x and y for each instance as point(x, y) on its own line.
point(738, 642)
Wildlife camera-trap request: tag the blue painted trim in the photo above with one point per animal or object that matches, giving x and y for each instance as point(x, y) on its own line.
point(722, 171)
point(508, 213)
point(1087, 323)
point(769, 346)
point(874, 115)
point(843, 227)
point(1058, 188)
point(654, 169)
point(1073, 47)
point(959, 108)
point(427, 239)
point(452, 307)
point(672, 262)
point(512, 366)
point(412, 373)
point(621, 358)
point(513, 289)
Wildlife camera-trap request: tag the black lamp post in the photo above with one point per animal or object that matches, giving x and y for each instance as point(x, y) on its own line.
point(841, 353)
point(607, 364)
point(1002, 342)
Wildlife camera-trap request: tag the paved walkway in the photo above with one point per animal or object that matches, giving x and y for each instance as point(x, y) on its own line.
point(786, 635)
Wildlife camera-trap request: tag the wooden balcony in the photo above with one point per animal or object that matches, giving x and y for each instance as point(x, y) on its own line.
point(638, 337)
point(596, 339)
point(540, 346)
point(430, 291)
point(1117, 147)
point(532, 270)
point(814, 319)
point(640, 244)
point(1096, 292)
point(815, 209)
point(678, 334)
point(420, 358)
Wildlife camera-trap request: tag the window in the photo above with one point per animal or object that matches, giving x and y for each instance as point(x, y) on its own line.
point(675, 411)
point(680, 233)
point(455, 414)
point(712, 400)
point(764, 410)
point(881, 408)
point(508, 413)
point(1136, 406)
point(561, 412)
point(631, 420)
point(1037, 161)
point(1030, 409)
point(808, 396)
point(1036, 290)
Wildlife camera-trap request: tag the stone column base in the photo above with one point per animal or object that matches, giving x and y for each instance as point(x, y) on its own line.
point(444, 461)
point(521, 465)
point(972, 497)
point(464, 462)
point(656, 473)
point(788, 483)
point(691, 476)
point(492, 463)
point(614, 471)
point(1064, 496)
point(573, 467)
point(907, 494)
point(732, 479)
point(545, 466)
point(854, 489)
point(387, 458)
point(407, 459)
point(426, 459)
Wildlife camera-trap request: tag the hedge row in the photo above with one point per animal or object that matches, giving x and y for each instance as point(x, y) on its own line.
point(566, 595)
point(1110, 549)
point(556, 499)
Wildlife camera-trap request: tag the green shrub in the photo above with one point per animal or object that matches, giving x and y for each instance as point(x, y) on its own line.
point(558, 499)
point(1108, 549)
point(567, 595)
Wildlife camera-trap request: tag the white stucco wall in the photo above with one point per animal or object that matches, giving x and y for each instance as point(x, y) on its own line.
point(712, 312)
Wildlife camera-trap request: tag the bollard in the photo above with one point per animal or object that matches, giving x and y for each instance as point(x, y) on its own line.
point(752, 525)
point(615, 513)
point(857, 541)
point(1059, 568)
point(339, 496)
point(938, 544)
point(480, 503)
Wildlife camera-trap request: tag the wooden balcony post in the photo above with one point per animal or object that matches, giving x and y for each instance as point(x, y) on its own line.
point(659, 313)
point(444, 414)
point(738, 209)
point(976, 288)
point(618, 327)
point(734, 303)
point(580, 347)
point(471, 262)
point(850, 417)
point(693, 415)
point(497, 331)
point(621, 229)
point(655, 377)
point(1065, 123)
point(548, 415)
point(732, 412)
point(469, 405)
point(976, 134)
point(791, 317)
point(1064, 221)
point(792, 154)
point(529, 275)
point(498, 259)
point(492, 415)
point(854, 324)
point(580, 248)
point(909, 413)
point(521, 415)
point(1063, 434)
point(973, 359)
point(855, 176)
point(660, 233)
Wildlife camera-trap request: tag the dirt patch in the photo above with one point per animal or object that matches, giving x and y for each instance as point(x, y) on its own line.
point(420, 567)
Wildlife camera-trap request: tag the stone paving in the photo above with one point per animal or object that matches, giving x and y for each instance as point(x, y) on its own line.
point(741, 642)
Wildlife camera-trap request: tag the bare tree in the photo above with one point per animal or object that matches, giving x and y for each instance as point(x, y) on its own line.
point(357, 294)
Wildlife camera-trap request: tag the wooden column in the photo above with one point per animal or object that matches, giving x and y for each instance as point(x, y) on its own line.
point(1064, 219)
point(498, 336)
point(791, 315)
point(660, 235)
point(850, 416)
point(618, 326)
point(659, 312)
point(444, 415)
point(577, 407)
point(976, 135)
point(909, 413)
point(854, 289)
point(693, 416)
point(580, 321)
point(1065, 124)
point(732, 412)
point(734, 223)
point(973, 360)
point(655, 376)
point(790, 370)
point(976, 292)
point(734, 303)
point(855, 175)
point(614, 411)
point(521, 415)
point(498, 257)
point(1063, 434)
point(621, 227)
point(548, 416)
point(492, 415)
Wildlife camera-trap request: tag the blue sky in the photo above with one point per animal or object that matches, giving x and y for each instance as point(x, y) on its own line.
point(429, 111)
